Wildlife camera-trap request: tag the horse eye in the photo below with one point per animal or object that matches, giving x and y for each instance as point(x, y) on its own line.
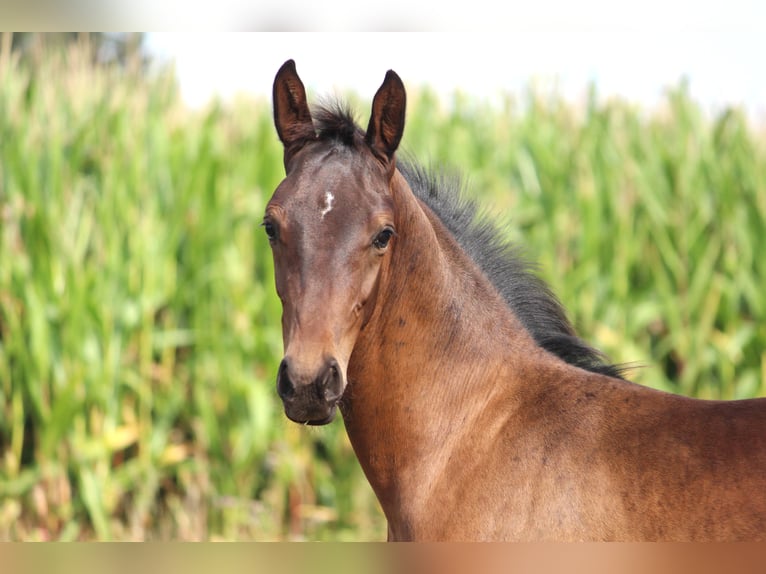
point(271, 231)
point(381, 239)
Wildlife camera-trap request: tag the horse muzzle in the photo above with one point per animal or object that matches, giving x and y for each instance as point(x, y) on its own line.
point(310, 396)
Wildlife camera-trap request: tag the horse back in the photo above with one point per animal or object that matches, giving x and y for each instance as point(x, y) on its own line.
point(684, 469)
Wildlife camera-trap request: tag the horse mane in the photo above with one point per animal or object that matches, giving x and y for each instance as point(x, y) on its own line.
point(513, 275)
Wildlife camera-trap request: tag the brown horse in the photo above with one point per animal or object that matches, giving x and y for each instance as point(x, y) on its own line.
point(473, 408)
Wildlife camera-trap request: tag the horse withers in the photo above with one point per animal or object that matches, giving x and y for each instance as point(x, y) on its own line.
point(474, 409)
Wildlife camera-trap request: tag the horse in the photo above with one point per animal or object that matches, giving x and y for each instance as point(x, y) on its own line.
point(475, 410)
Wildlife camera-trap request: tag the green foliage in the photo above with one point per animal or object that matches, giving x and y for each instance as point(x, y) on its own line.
point(140, 331)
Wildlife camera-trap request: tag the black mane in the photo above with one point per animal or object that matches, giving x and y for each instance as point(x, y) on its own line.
point(526, 294)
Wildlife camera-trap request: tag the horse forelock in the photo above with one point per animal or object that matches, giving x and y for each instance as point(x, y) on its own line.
point(334, 120)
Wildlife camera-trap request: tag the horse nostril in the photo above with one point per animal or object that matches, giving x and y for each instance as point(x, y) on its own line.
point(330, 385)
point(285, 387)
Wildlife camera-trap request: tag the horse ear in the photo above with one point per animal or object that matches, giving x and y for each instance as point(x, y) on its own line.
point(292, 117)
point(387, 120)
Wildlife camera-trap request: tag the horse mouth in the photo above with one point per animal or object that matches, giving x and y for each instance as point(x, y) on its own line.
point(303, 420)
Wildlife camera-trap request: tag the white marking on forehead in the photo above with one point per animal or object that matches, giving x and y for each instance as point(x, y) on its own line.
point(328, 199)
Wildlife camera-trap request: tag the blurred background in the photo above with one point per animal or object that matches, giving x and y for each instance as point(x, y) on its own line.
point(139, 328)
point(637, 61)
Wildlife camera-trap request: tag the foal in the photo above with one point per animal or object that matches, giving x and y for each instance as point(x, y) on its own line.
point(473, 408)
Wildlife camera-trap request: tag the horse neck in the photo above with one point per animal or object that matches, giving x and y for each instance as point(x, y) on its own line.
point(427, 363)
